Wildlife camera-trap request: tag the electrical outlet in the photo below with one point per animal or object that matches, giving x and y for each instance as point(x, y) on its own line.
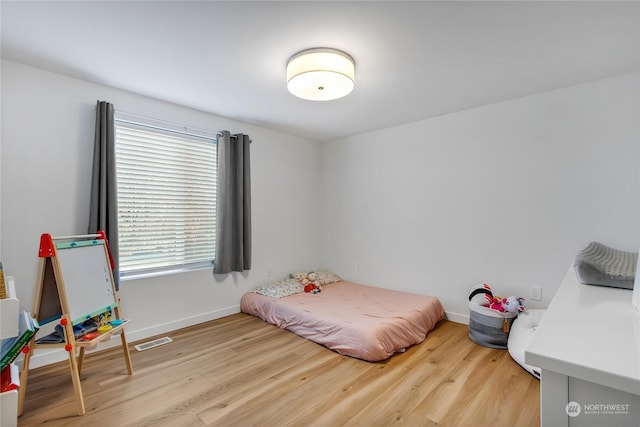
point(269, 271)
point(358, 270)
point(535, 292)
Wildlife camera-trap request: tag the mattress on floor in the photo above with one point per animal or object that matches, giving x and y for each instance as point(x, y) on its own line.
point(361, 321)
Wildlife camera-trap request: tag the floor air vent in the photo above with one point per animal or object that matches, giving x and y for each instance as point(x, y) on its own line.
point(154, 343)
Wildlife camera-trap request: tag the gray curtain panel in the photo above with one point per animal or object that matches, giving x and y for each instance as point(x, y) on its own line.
point(233, 231)
point(103, 213)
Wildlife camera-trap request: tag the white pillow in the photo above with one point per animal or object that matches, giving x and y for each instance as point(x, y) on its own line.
point(324, 277)
point(279, 288)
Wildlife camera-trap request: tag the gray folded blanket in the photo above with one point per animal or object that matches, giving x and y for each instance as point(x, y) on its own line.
point(601, 265)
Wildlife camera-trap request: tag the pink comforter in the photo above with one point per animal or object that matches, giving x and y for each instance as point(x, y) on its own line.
point(361, 321)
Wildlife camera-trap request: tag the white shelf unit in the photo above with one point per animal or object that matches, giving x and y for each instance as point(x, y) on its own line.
point(9, 408)
point(9, 309)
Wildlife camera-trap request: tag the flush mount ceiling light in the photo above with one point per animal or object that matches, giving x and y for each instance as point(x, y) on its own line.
point(320, 74)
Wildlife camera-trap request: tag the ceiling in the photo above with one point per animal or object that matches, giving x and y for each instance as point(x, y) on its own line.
point(414, 60)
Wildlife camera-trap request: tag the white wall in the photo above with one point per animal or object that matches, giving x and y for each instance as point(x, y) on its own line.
point(47, 144)
point(504, 194)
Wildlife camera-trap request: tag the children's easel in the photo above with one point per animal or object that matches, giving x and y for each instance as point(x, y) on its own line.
point(75, 284)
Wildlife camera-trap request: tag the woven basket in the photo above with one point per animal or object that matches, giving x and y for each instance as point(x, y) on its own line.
point(489, 328)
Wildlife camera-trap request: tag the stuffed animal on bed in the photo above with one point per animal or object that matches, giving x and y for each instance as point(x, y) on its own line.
point(311, 283)
point(310, 287)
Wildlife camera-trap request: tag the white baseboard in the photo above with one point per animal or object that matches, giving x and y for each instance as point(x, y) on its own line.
point(458, 318)
point(140, 334)
point(42, 358)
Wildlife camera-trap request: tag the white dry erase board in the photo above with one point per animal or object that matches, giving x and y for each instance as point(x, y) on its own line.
point(87, 277)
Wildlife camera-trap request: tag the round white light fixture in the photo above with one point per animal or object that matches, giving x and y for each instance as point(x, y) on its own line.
point(320, 74)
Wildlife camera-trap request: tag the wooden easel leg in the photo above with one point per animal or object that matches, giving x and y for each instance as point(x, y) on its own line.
point(127, 356)
point(24, 375)
point(73, 362)
point(75, 378)
point(80, 359)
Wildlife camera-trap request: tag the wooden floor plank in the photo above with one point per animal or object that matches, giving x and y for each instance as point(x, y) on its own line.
point(238, 370)
point(399, 402)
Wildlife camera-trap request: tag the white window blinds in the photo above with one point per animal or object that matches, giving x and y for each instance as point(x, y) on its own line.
point(166, 184)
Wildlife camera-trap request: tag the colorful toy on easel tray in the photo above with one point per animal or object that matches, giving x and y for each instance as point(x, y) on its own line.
point(103, 318)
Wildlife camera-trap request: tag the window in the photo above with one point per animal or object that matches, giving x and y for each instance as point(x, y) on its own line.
point(166, 185)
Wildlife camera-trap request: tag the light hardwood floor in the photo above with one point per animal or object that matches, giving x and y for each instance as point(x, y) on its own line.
point(240, 371)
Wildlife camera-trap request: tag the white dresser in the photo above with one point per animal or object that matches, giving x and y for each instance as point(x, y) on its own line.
point(588, 348)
